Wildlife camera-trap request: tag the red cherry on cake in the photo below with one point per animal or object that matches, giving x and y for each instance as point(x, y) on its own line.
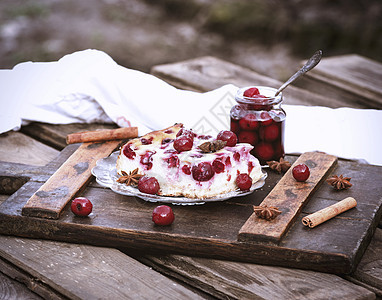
point(249, 122)
point(203, 171)
point(186, 170)
point(251, 92)
point(183, 143)
point(81, 206)
point(163, 215)
point(185, 132)
point(148, 141)
point(301, 172)
point(128, 152)
point(173, 161)
point(218, 166)
point(249, 137)
point(243, 181)
point(236, 156)
point(148, 185)
point(227, 136)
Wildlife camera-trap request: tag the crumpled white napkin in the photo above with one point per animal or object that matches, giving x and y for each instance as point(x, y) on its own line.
point(88, 86)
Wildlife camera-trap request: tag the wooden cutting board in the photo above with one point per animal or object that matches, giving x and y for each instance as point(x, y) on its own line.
point(226, 230)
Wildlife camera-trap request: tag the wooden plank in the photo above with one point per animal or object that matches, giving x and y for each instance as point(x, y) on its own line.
point(67, 181)
point(11, 289)
point(19, 148)
point(36, 286)
point(289, 196)
point(225, 279)
point(14, 175)
point(356, 79)
point(369, 270)
point(87, 272)
point(121, 221)
point(207, 73)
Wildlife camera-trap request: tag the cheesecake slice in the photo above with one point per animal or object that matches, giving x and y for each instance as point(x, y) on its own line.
point(183, 167)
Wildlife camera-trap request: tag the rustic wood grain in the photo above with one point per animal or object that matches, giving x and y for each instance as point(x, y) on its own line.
point(355, 79)
point(20, 148)
point(289, 196)
point(121, 221)
point(86, 272)
point(207, 73)
point(10, 289)
point(37, 287)
point(249, 281)
point(67, 181)
point(369, 270)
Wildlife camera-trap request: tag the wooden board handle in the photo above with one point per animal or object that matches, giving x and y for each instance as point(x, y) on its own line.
point(289, 196)
point(51, 198)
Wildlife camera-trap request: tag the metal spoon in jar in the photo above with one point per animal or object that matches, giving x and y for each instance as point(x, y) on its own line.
point(310, 64)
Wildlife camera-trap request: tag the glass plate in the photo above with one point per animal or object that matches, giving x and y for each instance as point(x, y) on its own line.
point(106, 175)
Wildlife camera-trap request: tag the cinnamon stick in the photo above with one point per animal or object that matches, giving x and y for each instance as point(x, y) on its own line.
point(102, 135)
point(327, 213)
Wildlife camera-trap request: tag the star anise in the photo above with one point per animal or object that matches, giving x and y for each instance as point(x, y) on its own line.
point(265, 212)
point(279, 166)
point(213, 146)
point(339, 182)
point(130, 179)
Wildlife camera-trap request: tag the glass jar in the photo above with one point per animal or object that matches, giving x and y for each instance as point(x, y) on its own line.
point(259, 120)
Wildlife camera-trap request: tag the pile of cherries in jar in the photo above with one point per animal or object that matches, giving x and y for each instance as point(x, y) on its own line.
point(259, 122)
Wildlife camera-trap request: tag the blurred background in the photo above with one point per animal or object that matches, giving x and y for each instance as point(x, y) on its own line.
point(268, 36)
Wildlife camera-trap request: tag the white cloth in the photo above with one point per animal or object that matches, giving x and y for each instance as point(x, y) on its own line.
point(88, 86)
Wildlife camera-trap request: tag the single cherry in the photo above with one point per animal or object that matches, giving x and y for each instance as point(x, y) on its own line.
point(264, 151)
point(265, 118)
point(185, 132)
point(173, 161)
point(243, 181)
point(271, 132)
point(203, 171)
point(236, 156)
point(301, 172)
point(227, 136)
point(218, 166)
point(186, 169)
point(128, 152)
point(183, 143)
point(148, 141)
point(81, 206)
point(251, 92)
point(148, 185)
point(163, 215)
point(249, 122)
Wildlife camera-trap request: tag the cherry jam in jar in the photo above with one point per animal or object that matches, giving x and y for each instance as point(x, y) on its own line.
point(259, 120)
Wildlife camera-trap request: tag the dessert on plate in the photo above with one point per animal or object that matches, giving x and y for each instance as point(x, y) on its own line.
point(190, 165)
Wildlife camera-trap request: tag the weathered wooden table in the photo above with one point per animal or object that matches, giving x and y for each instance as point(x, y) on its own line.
point(34, 268)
